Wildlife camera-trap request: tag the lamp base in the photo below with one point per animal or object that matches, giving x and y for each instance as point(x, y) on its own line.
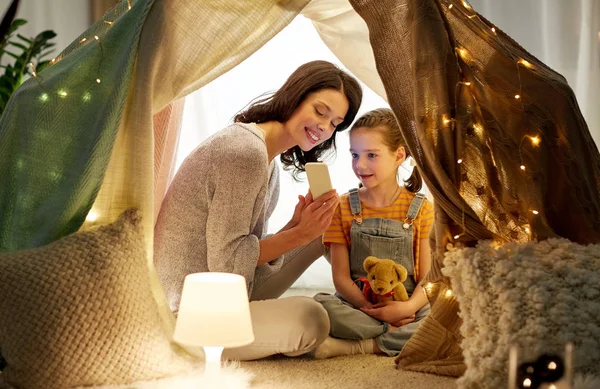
point(212, 360)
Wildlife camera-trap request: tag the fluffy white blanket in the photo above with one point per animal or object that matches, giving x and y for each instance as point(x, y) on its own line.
point(535, 295)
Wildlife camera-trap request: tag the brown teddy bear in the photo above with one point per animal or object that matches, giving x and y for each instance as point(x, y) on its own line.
point(384, 280)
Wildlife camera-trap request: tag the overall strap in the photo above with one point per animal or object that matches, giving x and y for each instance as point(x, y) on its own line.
point(415, 207)
point(355, 206)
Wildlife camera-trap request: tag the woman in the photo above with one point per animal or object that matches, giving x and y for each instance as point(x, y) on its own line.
point(214, 216)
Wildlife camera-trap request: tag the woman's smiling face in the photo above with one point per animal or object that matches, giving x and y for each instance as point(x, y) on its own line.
point(317, 117)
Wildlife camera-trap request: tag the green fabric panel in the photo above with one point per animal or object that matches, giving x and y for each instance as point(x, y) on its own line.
point(55, 148)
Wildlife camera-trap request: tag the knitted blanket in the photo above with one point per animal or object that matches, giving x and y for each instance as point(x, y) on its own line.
point(535, 295)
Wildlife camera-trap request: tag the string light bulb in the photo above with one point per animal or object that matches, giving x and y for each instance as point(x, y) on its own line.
point(525, 63)
point(535, 140)
point(463, 52)
point(448, 293)
point(62, 93)
point(128, 5)
point(83, 40)
point(534, 212)
point(108, 22)
point(494, 30)
point(517, 97)
point(452, 5)
point(459, 161)
point(98, 80)
point(522, 167)
point(91, 216)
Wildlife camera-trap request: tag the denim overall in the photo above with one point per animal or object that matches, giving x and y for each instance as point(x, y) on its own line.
point(383, 238)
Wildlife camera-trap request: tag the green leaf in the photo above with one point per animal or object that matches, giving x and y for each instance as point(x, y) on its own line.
point(13, 55)
point(5, 91)
point(46, 35)
point(18, 23)
point(45, 53)
point(24, 38)
point(20, 46)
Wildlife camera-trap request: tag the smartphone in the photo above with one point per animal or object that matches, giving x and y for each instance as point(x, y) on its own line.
point(319, 180)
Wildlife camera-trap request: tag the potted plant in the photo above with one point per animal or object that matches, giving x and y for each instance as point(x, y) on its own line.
point(27, 55)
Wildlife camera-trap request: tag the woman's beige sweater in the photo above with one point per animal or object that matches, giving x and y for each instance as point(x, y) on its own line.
point(216, 210)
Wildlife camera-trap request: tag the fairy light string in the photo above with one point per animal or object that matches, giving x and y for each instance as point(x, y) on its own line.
point(109, 20)
point(462, 55)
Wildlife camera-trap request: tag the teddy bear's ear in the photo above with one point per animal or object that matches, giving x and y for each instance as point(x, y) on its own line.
point(369, 262)
point(401, 272)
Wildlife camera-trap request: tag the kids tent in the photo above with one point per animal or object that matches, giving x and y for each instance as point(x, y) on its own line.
point(497, 135)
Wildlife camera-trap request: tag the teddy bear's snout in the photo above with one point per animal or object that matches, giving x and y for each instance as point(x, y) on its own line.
point(381, 289)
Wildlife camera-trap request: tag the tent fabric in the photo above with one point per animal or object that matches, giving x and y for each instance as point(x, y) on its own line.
point(167, 125)
point(59, 156)
point(58, 130)
point(451, 80)
point(346, 34)
point(497, 135)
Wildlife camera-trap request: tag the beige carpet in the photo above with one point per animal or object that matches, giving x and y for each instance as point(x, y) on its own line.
point(350, 372)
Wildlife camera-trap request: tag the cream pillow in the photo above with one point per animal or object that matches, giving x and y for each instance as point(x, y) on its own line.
point(537, 295)
point(80, 312)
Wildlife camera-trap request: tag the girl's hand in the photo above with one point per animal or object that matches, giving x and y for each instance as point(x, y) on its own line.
point(367, 305)
point(316, 215)
point(403, 322)
point(393, 312)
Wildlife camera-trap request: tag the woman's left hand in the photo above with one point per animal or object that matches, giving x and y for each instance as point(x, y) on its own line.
point(391, 311)
point(303, 202)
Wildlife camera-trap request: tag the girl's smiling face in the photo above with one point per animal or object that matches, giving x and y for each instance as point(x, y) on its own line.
point(317, 117)
point(372, 160)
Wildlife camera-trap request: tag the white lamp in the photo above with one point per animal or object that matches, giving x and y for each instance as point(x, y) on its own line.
point(214, 313)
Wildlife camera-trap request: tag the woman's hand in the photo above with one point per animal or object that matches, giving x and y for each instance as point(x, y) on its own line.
point(397, 313)
point(316, 215)
point(303, 201)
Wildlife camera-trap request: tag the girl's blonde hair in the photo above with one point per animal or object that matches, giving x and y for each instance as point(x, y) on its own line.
point(384, 120)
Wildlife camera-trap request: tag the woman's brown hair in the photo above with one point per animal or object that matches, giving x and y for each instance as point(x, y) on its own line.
point(280, 106)
point(384, 120)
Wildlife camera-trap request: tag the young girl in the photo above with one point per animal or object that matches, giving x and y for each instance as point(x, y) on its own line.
point(382, 219)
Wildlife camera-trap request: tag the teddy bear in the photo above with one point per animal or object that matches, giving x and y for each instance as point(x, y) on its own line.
point(384, 280)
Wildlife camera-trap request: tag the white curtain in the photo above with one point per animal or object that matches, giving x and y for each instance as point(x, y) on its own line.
point(564, 34)
point(68, 18)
